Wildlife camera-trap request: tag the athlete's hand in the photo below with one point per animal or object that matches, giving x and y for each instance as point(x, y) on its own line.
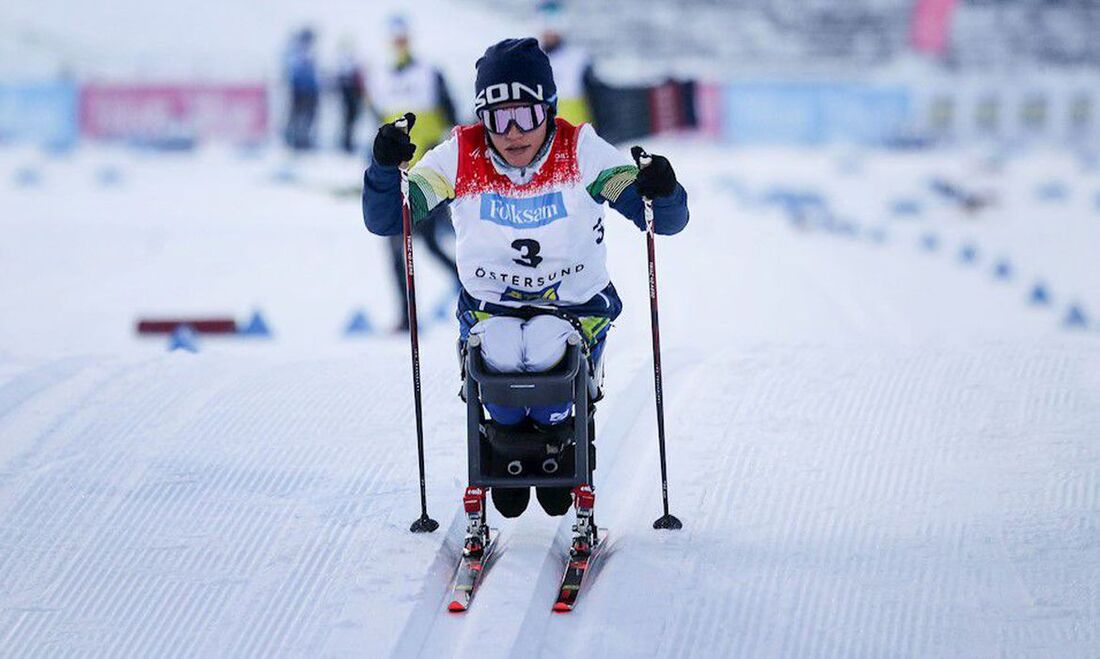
point(392, 145)
point(655, 175)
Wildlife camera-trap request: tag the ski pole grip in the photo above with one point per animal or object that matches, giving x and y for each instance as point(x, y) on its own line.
point(640, 156)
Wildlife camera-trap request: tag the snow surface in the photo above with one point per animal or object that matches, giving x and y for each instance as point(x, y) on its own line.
point(876, 449)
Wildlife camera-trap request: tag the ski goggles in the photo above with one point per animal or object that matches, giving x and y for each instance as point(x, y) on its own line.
point(526, 118)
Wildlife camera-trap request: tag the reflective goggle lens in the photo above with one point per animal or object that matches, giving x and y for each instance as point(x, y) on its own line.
point(526, 118)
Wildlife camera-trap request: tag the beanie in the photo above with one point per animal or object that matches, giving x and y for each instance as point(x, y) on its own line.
point(514, 70)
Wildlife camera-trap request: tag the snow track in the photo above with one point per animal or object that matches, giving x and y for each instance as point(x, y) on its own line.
point(158, 521)
point(899, 500)
point(875, 450)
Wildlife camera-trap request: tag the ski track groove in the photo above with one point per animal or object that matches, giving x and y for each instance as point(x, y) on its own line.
point(115, 545)
point(169, 609)
point(793, 518)
point(838, 480)
point(26, 385)
point(29, 507)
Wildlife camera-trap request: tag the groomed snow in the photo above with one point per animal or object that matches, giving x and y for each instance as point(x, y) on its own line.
point(876, 449)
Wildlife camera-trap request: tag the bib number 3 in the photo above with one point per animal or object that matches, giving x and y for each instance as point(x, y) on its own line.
point(528, 252)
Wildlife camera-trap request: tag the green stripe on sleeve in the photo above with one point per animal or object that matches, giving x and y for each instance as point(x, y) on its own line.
point(611, 182)
point(427, 189)
point(417, 203)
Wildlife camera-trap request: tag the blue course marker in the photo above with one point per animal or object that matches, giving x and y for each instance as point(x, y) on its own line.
point(1089, 161)
point(846, 228)
point(257, 327)
point(285, 174)
point(359, 325)
point(1052, 191)
point(108, 176)
point(183, 338)
point(1003, 270)
point(906, 208)
point(1039, 294)
point(1075, 318)
point(443, 308)
point(968, 253)
point(26, 177)
point(930, 242)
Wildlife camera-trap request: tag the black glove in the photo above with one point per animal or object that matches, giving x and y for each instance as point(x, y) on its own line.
point(655, 175)
point(392, 145)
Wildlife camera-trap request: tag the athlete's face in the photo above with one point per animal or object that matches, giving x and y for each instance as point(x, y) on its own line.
point(517, 147)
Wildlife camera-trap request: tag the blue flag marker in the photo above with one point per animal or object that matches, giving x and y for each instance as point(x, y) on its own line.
point(1075, 318)
point(285, 174)
point(906, 207)
point(1003, 270)
point(183, 338)
point(26, 177)
point(108, 176)
point(1039, 294)
point(441, 310)
point(359, 325)
point(929, 242)
point(1052, 191)
point(256, 327)
point(968, 254)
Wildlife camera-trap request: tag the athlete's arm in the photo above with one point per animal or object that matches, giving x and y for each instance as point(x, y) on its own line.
point(610, 178)
point(430, 186)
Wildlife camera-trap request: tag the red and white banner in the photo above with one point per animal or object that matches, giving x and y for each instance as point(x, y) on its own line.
point(930, 31)
point(235, 113)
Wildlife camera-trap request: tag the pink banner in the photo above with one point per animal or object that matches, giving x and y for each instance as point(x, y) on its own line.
point(708, 108)
point(236, 113)
point(930, 31)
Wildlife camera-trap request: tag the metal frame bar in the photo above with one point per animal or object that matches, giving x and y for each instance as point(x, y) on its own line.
point(524, 389)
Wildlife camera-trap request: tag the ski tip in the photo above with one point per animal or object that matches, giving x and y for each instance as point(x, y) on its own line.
point(456, 607)
point(562, 607)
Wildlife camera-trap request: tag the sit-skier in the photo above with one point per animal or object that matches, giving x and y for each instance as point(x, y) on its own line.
point(526, 192)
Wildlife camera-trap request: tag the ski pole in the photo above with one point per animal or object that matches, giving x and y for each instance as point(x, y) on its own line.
point(423, 524)
point(668, 520)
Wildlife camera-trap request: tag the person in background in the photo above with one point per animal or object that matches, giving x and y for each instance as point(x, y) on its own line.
point(572, 68)
point(409, 85)
point(300, 72)
point(349, 85)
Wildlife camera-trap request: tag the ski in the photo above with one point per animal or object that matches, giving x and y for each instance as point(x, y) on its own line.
point(477, 551)
point(588, 541)
point(468, 577)
point(577, 567)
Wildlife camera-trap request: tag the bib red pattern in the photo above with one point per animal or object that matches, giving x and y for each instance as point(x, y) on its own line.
point(476, 173)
